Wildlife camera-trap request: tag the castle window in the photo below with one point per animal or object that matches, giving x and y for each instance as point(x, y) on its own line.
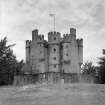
point(54, 58)
point(40, 44)
point(66, 54)
point(54, 38)
point(54, 66)
point(54, 49)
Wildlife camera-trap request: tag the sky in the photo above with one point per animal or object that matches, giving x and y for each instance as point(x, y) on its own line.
point(19, 17)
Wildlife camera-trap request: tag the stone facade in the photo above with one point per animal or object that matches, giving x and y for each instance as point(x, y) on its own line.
point(55, 59)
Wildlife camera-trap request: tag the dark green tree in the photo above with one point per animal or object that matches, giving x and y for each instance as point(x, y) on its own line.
point(101, 70)
point(88, 68)
point(8, 63)
point(19, 66)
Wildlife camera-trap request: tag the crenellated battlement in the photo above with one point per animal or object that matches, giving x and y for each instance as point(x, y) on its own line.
point(80, 42)
point(66, 38)
point(36, 36)
point(53, 33)
point(28, 42)
point(40, 37)
point(54, 37)
point(73, 31)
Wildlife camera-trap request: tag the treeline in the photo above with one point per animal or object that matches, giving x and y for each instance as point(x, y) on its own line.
point(9, 65)
point(98, 72)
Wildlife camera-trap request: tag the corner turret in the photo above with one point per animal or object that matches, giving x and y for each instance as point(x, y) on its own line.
point(80, 50)
point(34, 34)
point(28, 42)
point(73, 33)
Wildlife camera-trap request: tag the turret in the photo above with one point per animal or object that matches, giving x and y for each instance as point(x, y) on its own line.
point(54, 51)
point(80, 50)
point(34, 34)
point(28, 43)
point(73, 33)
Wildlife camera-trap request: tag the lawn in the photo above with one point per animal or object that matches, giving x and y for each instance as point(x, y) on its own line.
point(54, 94)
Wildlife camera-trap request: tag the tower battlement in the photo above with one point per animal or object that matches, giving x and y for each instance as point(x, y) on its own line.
point(80, 42)
point(36, 36)
point(73, 31)
point(53, 33)
point(40, 37)
point(66, 38)
point(28, 42)
point(54, 37)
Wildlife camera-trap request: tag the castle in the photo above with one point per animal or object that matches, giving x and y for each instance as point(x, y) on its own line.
point(55, 59)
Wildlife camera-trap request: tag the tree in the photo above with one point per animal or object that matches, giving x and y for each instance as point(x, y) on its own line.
point(8, 63)
point(19, 67)
point(102, 68)
point(88, 68)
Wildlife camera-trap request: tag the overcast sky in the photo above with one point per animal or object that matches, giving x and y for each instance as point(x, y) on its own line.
point(19, 17)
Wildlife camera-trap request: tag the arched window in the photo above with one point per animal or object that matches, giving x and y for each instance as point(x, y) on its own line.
point(54, 66)
point(67, 54)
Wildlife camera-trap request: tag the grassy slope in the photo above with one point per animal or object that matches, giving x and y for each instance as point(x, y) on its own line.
point(68, 94)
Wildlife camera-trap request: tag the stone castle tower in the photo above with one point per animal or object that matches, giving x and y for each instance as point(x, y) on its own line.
point(55, 59)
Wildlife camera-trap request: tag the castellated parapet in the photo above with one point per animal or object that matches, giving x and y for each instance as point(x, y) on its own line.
point(66, 38)
point(28, 42)
point(73, 31)
point(54, 37)
point(55, 58)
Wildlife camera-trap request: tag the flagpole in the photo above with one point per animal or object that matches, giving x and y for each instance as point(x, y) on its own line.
point(53, 15)
point(54, 22)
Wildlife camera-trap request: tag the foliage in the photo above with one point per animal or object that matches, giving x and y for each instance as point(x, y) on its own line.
point(88, 68)
point(19, 66)
point(102, 68)
point(8, 63)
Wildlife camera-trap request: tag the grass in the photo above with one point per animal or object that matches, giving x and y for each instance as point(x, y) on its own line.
point(54, 94)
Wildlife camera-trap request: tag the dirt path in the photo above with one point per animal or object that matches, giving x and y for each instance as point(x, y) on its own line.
point(68, 94)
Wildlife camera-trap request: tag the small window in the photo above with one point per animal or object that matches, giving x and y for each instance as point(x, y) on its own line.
point(40, 44)
point(54, 50)
point(54, 58)
point(66, 54)
point(54, 38)
point(54, 66)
